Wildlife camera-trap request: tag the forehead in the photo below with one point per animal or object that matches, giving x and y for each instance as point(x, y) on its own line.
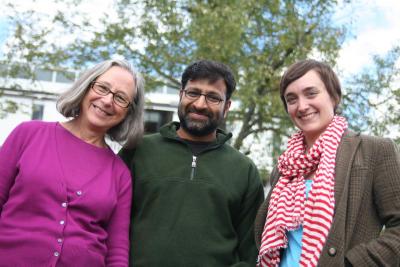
point(119, 79)
point(310, 79)
point(116, 72)
point(204, 85)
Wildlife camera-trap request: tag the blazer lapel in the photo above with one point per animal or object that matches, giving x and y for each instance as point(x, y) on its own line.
point(344, 160)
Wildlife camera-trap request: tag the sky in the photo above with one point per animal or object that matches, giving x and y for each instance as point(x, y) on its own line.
point(374, 27)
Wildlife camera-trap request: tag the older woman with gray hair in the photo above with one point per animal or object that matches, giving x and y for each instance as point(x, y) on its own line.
point(65, 197)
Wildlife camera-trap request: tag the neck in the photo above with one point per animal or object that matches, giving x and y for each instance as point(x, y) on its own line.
point(309, 142)
point(205, 138)
point(82, 131)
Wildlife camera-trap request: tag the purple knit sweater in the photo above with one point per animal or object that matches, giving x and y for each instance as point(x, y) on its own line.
point(63, 202)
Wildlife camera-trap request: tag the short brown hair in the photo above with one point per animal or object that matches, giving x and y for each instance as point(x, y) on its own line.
point(325, 72)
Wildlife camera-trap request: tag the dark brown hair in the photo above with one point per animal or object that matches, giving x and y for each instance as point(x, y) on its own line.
point(325, 72)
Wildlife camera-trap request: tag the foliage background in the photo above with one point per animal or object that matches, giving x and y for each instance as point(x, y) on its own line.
point(257, 39)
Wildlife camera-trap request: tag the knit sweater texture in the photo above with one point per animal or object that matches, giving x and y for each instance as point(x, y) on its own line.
point(63, 202)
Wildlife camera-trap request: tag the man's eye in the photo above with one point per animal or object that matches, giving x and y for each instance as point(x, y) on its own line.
point(213, 98)
point(192, 94)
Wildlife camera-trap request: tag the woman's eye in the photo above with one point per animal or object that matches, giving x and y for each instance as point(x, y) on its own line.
point(290, 100)
point(312, 93)
point(103, 88)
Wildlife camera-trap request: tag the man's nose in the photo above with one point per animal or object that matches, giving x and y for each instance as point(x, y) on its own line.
point(201, 102)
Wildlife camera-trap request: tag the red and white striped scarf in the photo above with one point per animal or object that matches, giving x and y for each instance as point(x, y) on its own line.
point(288, 209)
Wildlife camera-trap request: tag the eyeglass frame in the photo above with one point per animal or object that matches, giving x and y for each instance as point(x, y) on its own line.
point(113, 94)
point(201, 94)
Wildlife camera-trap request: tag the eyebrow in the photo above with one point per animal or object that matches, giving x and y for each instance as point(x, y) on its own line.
point(198, 89)
point(103, 82)
point(309, 88)
point(109, 88)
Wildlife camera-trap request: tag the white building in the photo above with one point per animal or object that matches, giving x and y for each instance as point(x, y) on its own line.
point(37, 100)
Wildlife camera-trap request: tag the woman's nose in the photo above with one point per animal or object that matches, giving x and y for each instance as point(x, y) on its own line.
point(302, 104)
point(108, 99)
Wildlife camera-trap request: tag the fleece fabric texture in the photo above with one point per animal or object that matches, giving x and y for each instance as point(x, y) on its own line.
point(192, 211)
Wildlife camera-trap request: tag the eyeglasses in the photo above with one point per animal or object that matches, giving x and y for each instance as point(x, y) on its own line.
point(211, 99)
point(118, 98)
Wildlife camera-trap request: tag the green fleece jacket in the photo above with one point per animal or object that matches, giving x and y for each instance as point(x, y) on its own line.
point(192, 211)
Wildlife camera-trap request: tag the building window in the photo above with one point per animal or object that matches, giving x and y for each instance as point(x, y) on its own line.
point(154, 119)
point(172, 91)
point(21, 71)
point(44, 75)
point(3, 70)
point(65, 77)
point(37, 111)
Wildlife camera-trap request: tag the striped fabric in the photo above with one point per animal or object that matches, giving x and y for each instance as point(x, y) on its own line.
point(288, 208)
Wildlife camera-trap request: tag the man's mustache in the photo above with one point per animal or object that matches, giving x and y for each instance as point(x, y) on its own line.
point(201, 112)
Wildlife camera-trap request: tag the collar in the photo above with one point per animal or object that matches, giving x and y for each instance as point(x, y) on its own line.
point(169, 131)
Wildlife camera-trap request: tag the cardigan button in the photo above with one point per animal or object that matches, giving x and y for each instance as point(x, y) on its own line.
point(332, 251)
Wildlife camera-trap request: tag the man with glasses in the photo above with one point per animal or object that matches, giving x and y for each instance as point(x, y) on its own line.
point(195, 197)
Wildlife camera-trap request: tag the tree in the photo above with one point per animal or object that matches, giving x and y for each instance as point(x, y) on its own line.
point(372, 99)
point(256, 38)
point(6, 106)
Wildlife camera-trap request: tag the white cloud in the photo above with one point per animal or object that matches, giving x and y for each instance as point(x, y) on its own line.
point(376, 27)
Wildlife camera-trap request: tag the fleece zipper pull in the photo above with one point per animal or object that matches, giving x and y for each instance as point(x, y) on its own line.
point(194, 164)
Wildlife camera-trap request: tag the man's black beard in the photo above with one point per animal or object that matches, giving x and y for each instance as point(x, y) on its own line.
point(198, 128)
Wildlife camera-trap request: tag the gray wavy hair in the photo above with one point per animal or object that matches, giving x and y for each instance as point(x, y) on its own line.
point(129, 131)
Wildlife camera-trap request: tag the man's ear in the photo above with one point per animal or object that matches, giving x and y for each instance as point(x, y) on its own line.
point(226, 107)
point(180, 93)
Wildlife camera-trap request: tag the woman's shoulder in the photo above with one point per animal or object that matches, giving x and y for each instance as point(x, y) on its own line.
point(35, 125)
point(367, 139)
point(376, 141)
point(120, 168)
point(374, 145)
point(31, 128)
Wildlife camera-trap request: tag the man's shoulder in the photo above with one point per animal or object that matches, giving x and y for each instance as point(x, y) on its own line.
point(148, 140)
point(236, 155)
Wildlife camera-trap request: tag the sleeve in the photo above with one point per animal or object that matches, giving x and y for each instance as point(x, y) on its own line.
point(247, 249)
point(384, 250)
point(261, 216)
point(10, 154)
point(118, 227)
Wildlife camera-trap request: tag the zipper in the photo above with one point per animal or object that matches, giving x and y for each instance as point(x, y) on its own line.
point(194, 164)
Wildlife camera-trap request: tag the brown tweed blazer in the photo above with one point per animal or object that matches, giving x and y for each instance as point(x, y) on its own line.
point(367, 196)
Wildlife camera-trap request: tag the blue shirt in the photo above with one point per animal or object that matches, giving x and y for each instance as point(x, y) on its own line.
point(291, 255)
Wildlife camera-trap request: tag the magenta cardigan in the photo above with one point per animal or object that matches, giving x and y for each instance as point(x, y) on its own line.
point(63, 202)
